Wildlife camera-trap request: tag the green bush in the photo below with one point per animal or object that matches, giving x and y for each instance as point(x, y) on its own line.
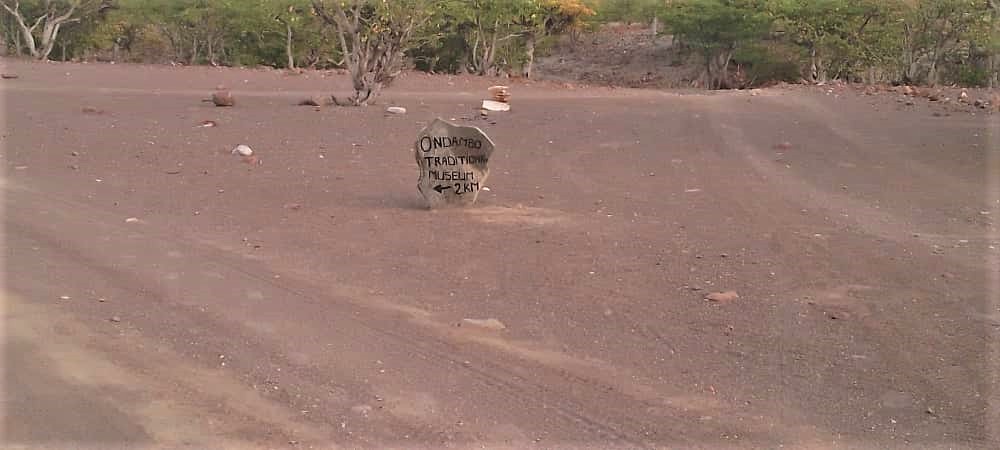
point(762, 66)
point(969, 75)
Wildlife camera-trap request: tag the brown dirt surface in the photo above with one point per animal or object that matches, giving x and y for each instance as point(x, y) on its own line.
point(308, 299)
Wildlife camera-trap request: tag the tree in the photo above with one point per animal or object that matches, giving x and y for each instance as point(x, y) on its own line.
point(51, 15)
point(486, 26)
point(819, 26)
point(993, 33)
point(541, 18)
point(373, 36)
point(932, 30)
point(716, 29)
point(292, 19)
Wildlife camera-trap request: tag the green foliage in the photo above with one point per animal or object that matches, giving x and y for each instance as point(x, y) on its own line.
point(759, 65)
point(915, 41)
point(716, 29)
point(629, 11)
point(968, 75)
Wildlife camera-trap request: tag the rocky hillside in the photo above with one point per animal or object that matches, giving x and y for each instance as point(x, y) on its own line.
point(617, 55)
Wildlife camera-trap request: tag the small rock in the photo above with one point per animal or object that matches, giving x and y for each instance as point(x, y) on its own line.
point(963, 97)
point(223, 98)
point(979, 103)
point(362, 409)
point(395, 110)
point(208, 124)
point(315, 100)
point(91, 110)
point(74, 153)
point(116, 319)
point(491, 105)
point(722, 297)
point(64, 297)
point(500, 93)
point(74, 167)
point(489, 324)
point(10, 76)
point(131, 220)
point(243, 150)
point(783, 146)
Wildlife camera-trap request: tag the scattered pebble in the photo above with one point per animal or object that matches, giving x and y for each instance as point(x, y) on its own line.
point(395, 110)
point(243, 150)
point(364, 410)
point(64, 297)
point(131, 220)
point(489, 324)
point(10, 76)
point(116, 319)
point(314, 100)
point(722, 297)
point(223, 98)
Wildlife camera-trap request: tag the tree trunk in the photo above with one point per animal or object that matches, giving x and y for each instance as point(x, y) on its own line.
point(194, 50)
point(656, 26)
point(211, 50)
point(288, 46)
point(817, 71)
point(49, 33)
point(529, 54)
point(19, 46)
point(993, 71)
point(62, 44)
point(29, 41)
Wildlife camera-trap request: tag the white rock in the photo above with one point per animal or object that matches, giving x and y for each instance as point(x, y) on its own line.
point(131, 220)
point(491, 105)
point(395, 110)
point(243, 150)
point(489, 324)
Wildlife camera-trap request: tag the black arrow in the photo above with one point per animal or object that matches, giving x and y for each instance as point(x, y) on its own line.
point(441, 189)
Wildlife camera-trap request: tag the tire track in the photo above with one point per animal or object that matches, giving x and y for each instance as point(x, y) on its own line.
point(621, 428)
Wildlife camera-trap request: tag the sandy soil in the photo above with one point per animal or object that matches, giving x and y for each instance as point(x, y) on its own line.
point(311, 301)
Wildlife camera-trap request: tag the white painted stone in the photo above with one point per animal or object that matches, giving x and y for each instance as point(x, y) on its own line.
point(453, 162)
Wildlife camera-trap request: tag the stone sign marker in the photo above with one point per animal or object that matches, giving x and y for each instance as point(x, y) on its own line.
point(453, 163)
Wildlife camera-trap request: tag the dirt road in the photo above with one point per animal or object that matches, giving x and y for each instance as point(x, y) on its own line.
point(310, 301)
